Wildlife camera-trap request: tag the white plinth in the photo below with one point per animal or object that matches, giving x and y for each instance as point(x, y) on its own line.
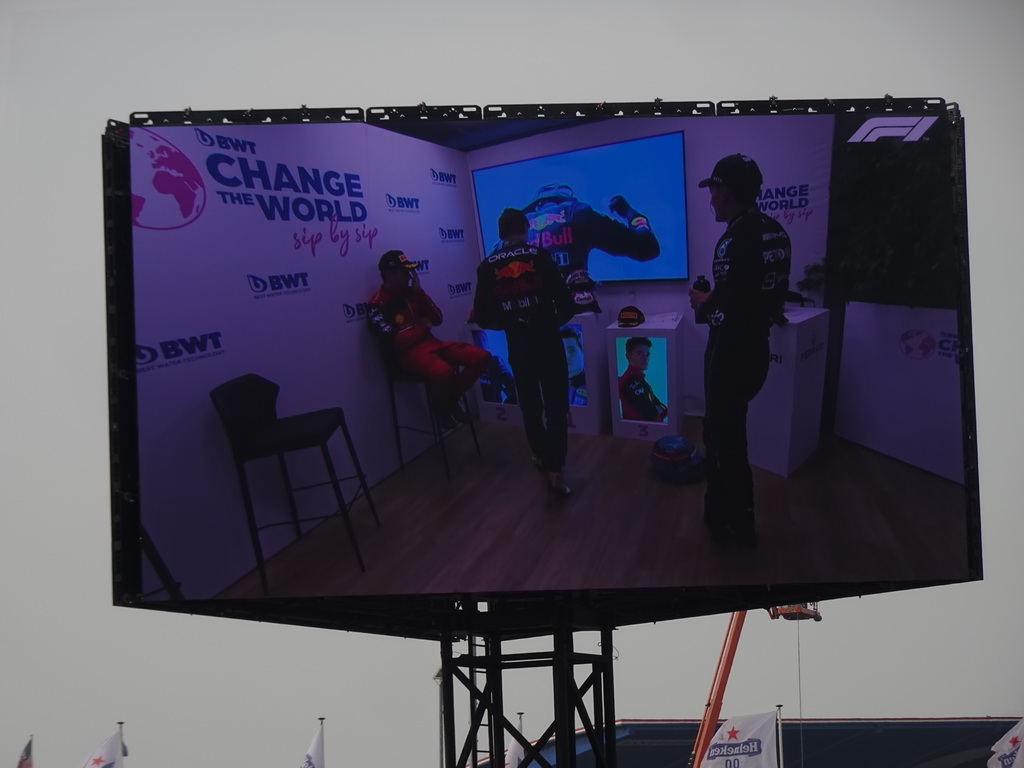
point(784, 420)
point(664, 375)
point(588, 413)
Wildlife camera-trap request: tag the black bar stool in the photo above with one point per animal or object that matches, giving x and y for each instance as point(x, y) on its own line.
point(437, 430)
point(247, 406)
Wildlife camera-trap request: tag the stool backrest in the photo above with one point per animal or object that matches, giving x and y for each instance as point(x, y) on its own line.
point(247, 405)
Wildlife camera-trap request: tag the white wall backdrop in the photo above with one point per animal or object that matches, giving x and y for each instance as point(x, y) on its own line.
point(203, 690)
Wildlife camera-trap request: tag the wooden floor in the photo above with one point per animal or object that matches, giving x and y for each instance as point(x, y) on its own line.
point(849, 514)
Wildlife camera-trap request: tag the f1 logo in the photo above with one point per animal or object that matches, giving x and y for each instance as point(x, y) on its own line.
point(875, 128)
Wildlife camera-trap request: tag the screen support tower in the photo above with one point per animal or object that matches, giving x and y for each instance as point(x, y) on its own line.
point(480, 672)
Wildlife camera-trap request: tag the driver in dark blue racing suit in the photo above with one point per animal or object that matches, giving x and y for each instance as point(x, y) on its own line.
point(570, 229)
point(751, 268)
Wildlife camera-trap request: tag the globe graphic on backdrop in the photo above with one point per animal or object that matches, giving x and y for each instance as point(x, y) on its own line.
point(917, 344)
point(167, 190)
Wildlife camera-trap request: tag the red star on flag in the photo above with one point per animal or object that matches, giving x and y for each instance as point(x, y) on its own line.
point(1014, 741)
point(97, 761)
point(733, 733)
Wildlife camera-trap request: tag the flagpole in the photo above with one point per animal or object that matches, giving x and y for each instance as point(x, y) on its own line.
point(439, 679)
point(778, 739)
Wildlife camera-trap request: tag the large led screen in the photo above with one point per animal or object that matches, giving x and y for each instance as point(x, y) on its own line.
point(249, 253)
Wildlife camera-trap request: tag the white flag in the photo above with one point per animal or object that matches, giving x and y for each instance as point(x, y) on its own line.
point(109, 754)
point(514, 755)
point(744, 742)
point(315, 755)
point(1007, 749)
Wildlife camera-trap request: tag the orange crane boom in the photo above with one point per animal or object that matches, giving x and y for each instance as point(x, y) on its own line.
point(714, 706)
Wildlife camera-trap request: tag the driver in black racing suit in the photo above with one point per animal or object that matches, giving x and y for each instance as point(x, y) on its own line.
point(751, 270)
point(519, 291)
point(569, 229)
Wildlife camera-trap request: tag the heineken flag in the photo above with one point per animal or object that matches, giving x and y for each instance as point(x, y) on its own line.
point(745, 742)
point(315, 754)
point(1007, 749)
point(514, 755)
point(109, 754)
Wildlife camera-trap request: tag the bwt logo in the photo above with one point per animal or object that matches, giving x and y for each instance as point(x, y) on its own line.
point(355, 312)
point(259, 284)
point(396, 203)
point(460, 289)
point(451, 235)
point(875, 128)
point(423, 266)
point(440, 177)
point(173, 349)
point(225, 142)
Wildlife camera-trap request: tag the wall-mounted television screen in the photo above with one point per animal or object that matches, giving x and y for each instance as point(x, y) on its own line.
point(611, 210)
point(243, 253)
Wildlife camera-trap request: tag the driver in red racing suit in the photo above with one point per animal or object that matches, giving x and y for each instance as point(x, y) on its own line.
point(402, 315)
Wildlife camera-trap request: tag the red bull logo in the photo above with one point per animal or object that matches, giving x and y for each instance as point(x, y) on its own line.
point(517, 278)
point(545, 220)
point(552, 239)
point(514, 270)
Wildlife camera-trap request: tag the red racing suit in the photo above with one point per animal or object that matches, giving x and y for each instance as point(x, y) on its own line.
point(403, 320)
point(639, 403)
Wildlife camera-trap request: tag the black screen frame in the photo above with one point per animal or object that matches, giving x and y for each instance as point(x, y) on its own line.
point(514, 615)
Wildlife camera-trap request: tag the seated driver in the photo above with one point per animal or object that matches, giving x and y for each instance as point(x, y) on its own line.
point(403, 316)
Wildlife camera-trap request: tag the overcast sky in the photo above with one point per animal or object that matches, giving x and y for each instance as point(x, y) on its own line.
point(198, 690)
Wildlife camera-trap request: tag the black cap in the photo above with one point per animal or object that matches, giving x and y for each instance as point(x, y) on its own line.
point(737, 172)
point(395, 260)
point(581, 286)
point(630, 317)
